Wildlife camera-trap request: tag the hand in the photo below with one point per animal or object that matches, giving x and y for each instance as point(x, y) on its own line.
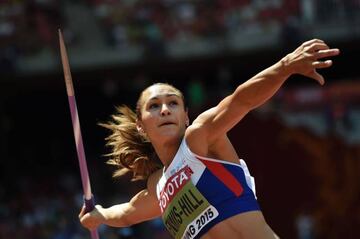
point(93, 219)
point(306, 59)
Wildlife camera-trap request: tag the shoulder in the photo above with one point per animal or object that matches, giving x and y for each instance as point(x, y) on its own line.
point(206, 116)
point(197, 135)
point(196, 138)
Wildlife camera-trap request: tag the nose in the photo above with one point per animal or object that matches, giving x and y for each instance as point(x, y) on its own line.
point(164, 110)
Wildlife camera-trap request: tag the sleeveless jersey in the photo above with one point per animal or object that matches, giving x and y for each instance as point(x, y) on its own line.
point(195, 193)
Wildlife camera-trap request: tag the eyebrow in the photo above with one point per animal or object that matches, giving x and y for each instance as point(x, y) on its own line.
point(166, 95)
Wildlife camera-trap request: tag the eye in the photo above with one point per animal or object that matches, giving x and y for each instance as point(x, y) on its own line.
point(173, 103)
point(153, 105)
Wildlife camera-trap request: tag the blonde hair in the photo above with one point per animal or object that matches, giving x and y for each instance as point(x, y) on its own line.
point(131, 150)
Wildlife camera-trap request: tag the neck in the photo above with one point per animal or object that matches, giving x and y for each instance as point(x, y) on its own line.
point(166, 151)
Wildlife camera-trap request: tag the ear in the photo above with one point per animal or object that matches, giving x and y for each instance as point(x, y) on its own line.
point(139, 127)
point(187, 121)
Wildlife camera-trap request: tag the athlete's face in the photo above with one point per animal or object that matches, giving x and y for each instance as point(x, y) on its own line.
point(162, 113)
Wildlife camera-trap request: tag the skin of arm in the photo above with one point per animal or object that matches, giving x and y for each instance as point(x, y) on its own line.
point(217, 121)
point(143, 206)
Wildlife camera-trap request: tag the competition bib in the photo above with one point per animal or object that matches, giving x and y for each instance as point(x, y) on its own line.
point(185, 210)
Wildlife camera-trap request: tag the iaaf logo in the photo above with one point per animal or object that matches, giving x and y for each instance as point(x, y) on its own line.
point(173, 185)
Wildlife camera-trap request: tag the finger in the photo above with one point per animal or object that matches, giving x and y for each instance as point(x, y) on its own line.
point(316, 76)
point(85, 220)
point(322, 64)
point(82, 212)
point(327, 53)
point(88, 222)
point(308, 43)
point(317, 47)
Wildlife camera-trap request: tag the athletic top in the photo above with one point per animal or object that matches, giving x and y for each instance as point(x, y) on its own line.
point(195, 193)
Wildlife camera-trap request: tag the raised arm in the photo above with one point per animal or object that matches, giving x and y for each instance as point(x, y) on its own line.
point(305, 60)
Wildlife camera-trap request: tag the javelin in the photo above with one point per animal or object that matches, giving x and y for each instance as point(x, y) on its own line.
point(88, 197)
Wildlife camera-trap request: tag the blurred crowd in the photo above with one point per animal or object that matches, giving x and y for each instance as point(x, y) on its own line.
point(29, 27)
point(48, 209)
point(160, 21)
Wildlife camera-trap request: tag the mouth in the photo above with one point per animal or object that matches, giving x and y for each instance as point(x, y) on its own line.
point(166, 123)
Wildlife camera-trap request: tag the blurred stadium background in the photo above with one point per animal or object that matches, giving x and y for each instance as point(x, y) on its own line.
point(302, 146)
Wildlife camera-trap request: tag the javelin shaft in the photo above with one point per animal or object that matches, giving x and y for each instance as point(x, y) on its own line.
point(89, 203)
point(75, 120)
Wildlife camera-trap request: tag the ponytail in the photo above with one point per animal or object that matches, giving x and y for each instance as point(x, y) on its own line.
point(130, 150)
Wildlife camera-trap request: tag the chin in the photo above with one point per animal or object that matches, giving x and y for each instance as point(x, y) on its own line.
point(171, 134)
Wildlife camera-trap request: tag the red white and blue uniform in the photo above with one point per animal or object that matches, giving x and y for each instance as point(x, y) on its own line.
point(195, 193)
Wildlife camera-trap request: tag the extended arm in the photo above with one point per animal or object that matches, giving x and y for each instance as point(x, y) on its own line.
point(215, 122)
point(143, 206)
